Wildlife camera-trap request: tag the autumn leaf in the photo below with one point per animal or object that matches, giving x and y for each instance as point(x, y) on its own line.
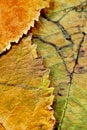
point(59, 35)
point(26, 92)
point(26, 98)
point(16, 18)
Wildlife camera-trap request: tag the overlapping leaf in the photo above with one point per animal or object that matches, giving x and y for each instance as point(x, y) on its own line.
point(16, 18)
point(59, 35)
point(26, 98)
point(58, 76)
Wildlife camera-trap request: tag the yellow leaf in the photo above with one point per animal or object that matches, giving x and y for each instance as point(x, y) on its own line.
point(24, 90)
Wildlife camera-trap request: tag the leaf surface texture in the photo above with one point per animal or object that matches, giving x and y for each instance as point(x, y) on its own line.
point(24, 90)
point(16, 18)
point(61, 37)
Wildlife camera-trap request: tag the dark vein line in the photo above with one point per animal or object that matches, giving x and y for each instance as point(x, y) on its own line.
point(63, 30)
point(71, 9)
point(65, 46)
point(65, 33)
point(77, 58)
point(20, 86)
point(3, 126)
point(56, 48)
point(67, 37)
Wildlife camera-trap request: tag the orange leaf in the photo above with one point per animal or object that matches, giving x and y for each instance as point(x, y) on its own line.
point(16, 18)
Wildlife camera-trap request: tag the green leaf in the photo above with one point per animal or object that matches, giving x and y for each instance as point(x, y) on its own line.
point(59, 36)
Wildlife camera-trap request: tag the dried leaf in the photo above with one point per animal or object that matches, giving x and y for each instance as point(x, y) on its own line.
point(16, 18)
point(60, 34)
point(24, 90)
